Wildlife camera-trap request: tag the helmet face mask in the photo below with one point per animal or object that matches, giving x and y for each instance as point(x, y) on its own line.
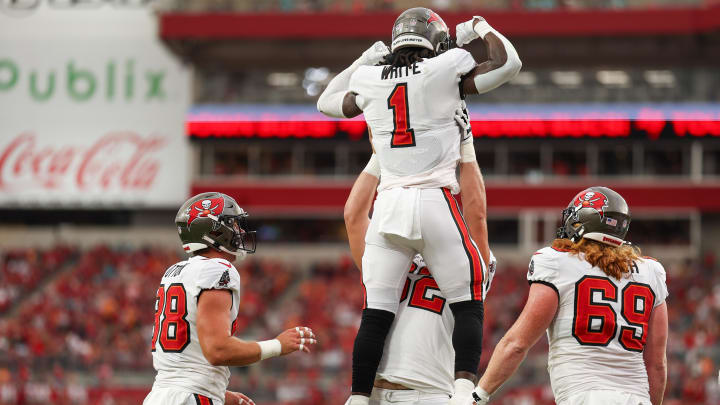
point(214, 220)
point(242, 239)
point(420, 27)
point(597, 213)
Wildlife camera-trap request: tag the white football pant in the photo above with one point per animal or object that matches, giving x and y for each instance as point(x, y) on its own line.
point(381, 396)
point(169, 396)
point(426, 221)
point(605, 397)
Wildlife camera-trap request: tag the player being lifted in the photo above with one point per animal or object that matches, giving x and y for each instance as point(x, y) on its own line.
point(417, 364)
point(196, 306)
point(603, 307)
point(409, 100)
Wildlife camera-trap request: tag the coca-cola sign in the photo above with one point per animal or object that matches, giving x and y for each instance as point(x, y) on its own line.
point(91, 121)
point(116, 161)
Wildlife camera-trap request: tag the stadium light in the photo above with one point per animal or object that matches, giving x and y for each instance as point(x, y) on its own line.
point(660, 78)
point(613, 78)
point(567, 78)
point(525, 79)
point(283, 79)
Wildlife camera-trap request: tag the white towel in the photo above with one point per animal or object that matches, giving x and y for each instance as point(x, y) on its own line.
point(399, 210)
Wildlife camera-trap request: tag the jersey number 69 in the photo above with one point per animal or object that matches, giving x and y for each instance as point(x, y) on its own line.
point(596, 323)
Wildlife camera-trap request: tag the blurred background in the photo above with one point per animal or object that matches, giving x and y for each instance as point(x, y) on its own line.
point(112, 113)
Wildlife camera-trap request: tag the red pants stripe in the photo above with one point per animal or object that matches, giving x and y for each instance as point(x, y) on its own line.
point(202, 400)
point(476, 265)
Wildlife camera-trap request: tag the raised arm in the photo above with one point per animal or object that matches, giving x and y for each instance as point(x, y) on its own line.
point(357, 209)
point(220, 348)
point(654, 353)
point(475, 206)
point(503, 62)
point(535, 318)
point(337, 100)
point(472, 186)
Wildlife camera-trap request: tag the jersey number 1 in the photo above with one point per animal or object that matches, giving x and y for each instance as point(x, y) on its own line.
point(174, 331)
point(402, 135)
point(595, 323)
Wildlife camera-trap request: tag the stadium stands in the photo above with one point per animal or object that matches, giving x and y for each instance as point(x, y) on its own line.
point(305, 6)
point(105, 300)
point(22, 270)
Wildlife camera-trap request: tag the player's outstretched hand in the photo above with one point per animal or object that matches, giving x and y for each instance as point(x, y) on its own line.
point(297, 338)
point(375, 54)
point(236, 398)
point(465, 32)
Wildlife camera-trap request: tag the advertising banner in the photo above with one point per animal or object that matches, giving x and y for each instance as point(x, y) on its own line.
point(92, 108)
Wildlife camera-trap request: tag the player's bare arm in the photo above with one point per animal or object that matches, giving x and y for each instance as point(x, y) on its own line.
point(503, 62)
point(654, 353)
point(475, 206)
point(220, 348)
point(357, 209)
point(535, 318)
point(349, 107)
point(337, 101)
point(472, 186)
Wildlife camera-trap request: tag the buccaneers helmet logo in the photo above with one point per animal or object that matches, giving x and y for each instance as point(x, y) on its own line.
point(591, 199)
point(203, 208)
point(433, 17)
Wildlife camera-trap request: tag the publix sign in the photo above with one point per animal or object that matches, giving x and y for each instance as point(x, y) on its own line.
point(90, 120)
point(123, 80)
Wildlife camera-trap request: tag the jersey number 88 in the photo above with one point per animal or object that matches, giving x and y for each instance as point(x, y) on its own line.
point(174, 330)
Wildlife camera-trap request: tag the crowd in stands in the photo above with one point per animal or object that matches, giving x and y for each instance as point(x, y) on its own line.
point(304, 6)
point(89, 328)
point(96, 317)
point(22, 270)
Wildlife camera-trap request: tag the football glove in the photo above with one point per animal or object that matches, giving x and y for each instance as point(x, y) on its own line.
point(463, 120)
point(374, 54)
point(465, 33)
point(480, 397)
point(467, 149)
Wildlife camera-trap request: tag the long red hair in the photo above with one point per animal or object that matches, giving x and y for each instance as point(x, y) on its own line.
point(615, 261)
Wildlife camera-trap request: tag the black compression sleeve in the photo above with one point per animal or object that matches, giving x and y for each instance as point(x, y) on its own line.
point(467, 335)
point(368, 348)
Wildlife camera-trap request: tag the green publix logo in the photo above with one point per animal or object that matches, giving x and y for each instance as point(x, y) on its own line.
point(114, 81)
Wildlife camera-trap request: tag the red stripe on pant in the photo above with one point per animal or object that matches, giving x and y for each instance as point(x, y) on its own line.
point(202, 400)
point(472, 252)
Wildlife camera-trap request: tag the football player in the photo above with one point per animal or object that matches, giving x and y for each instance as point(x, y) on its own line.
point(409, 373)
point(409, 97)
point(417, 364)
point(603, 307)
point(196, 307)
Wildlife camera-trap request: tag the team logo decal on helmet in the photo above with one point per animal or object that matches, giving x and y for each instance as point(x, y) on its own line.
point(591, 199)
point(420, 27)
point(597, 213)
point(204, 208)
point(434, 18)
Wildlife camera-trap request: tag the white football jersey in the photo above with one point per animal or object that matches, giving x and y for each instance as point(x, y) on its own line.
point(177, 355)
point(418, 351)
point(410, 112)
point(600, 329)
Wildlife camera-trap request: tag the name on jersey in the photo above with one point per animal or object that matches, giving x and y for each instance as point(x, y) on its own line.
point(175, 270)
point(395, 72)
